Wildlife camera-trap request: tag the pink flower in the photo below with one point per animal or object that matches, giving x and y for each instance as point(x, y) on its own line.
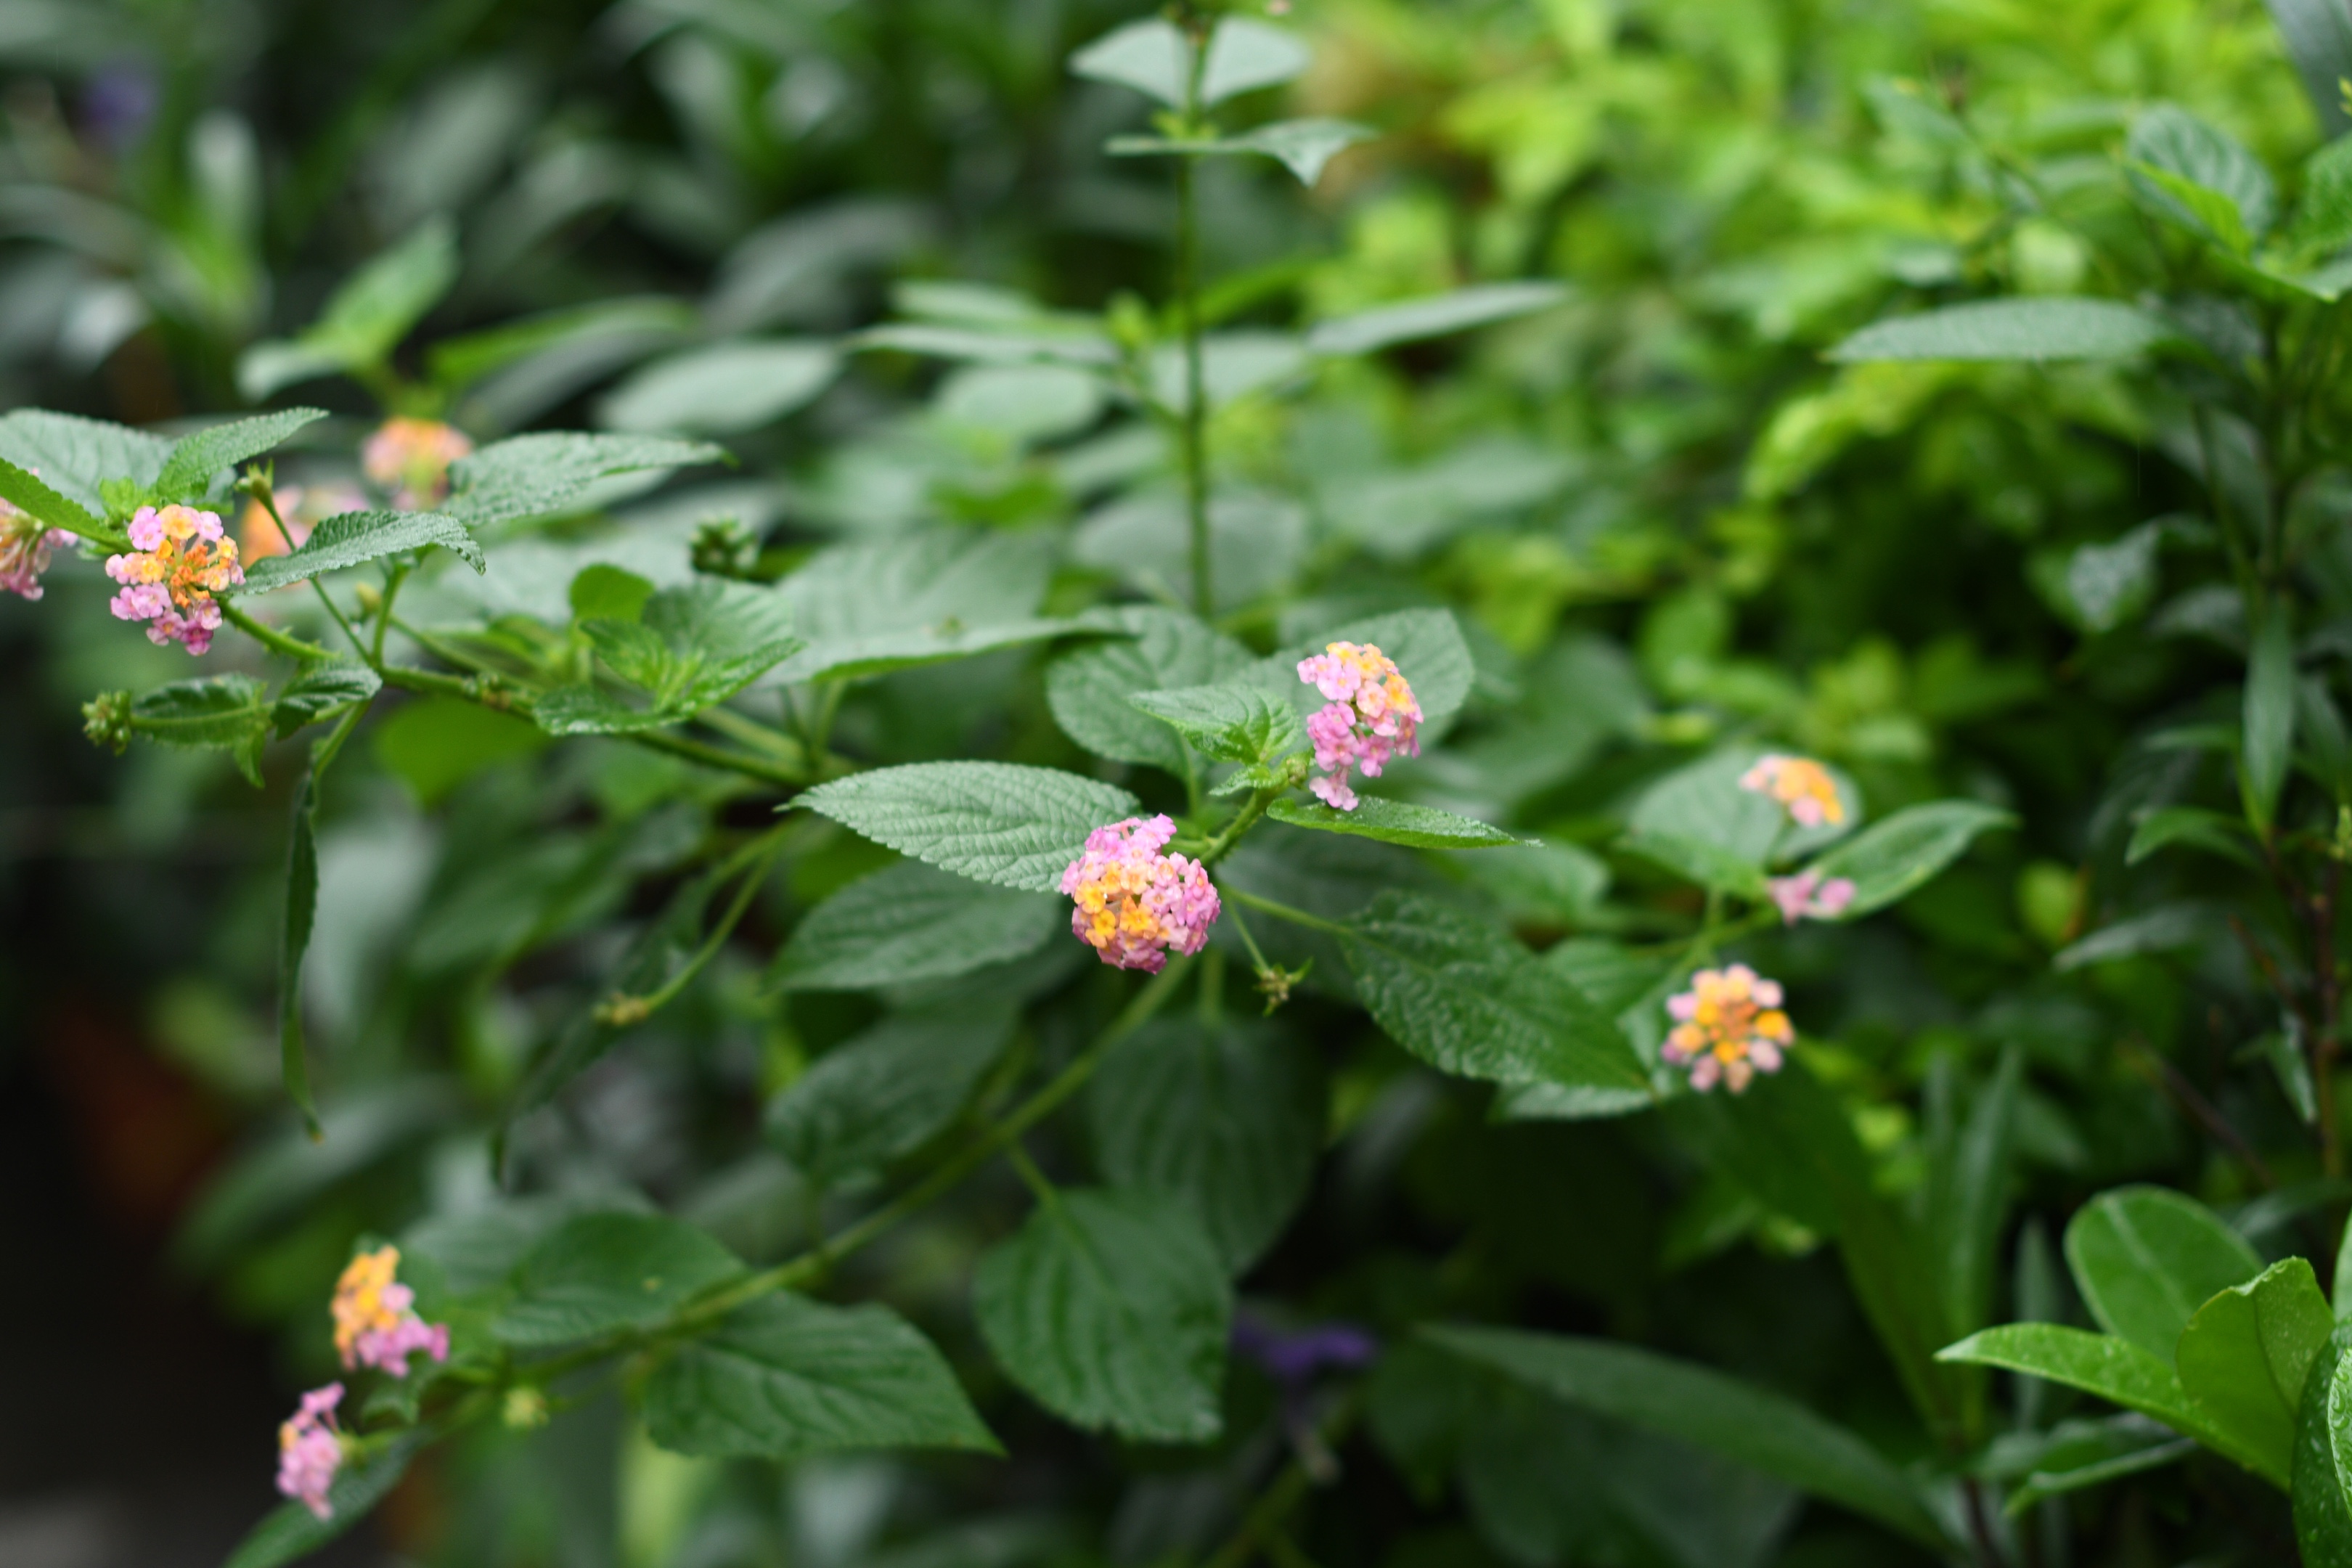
point(1133, 903)
point(179, 558)
point(25, 548)
point(1800, 785)
point(375, 1321)
point(1369, 716)
point(1806, 897)
point(309, 1450)
point(411, 458)
point(1728, 1026)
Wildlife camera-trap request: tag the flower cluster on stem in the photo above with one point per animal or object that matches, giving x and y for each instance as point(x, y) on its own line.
point(25, 550)
point(179, 559)
point(375, 1317)
point(310, 1450)
point(1728, 1026)
point(410, 458)
point(1369, 716)
point(1135, 903)
point(1800, 785)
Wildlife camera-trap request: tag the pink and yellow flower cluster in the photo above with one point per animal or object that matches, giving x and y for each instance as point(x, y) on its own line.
point(376, 1325)
point(1135, 903)
point(310, 1450)
point(1369, 716)
point(375, 1317)
point(179, 559)
point(1800, 785)
point(410, 458)
point(25, 550)
point(1728, 1026)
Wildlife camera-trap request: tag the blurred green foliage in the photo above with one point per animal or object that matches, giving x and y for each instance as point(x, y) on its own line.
point(1670, 526)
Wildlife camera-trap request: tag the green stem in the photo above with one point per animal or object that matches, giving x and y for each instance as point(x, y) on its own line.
point(270, 636)
point(391, 581)
point(1195, 439)
point(358, 644)
point(795, 1271)
point(760, 854)
point(1285, 912)
point(1040, 1185)
point(1252, 809)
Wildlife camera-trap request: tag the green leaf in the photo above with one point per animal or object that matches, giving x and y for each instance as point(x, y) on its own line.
point(1394, 822)
point(2117, 1371)
point(1229, 1120)
point(1468, 1000)
point(1302, 146)
point(74, 455)
point(2318, 35)
point(365, 319)
point(298, 918)
point(879, 1096)
point(2036, 329)
point(1895, 858)
point(1789, 1141)
point(2322, 1478)
point(721, 389)
point(867, 609)
point(600, 1272)
point(23, 491)
point(459, 362)
point(2269, 748)
point(212, 714)
point(993, 822)
point(1089, 687)
point(435, 745)
point(1433, 316)
point(692, 647)
point(1111, 1310)
point(2076, 1454)
point(1231, 721)
point(1709, 866)
point(552, 472)
point(603, 592)
point(291, 1531)
point(2177, 162)
point(188, 473)
point(1967, 1190)
point(1247, 54)
point(2145, 1258)
point(910, 922)
point(1083, 350)
point(2244, 1357)
point(323, 689)
point(1705, 1409)
point(1153, 57)
point(2157, 930)
point(1703, 802)
point(2191, 825)
point(783, 1376)
point(358, 537)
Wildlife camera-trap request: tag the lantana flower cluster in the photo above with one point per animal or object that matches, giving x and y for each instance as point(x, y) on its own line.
point(1134, 903)
point(1800, 785)
point(179, 558)
point(1809, 895)
point(410, 458)
point(1369, 716)
point(376, 1325)
point(1728, 1026)
point(25, 550)
point(375, 1317)
point(311, 1450)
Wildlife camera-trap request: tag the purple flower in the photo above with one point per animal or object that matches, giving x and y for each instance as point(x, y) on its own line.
point(1292, 1357)
point(117, 103)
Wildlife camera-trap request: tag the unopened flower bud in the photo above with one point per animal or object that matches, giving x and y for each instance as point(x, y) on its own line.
point(723, 547)
point(371, 599)
point(106, 719)
point(525, 1408)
